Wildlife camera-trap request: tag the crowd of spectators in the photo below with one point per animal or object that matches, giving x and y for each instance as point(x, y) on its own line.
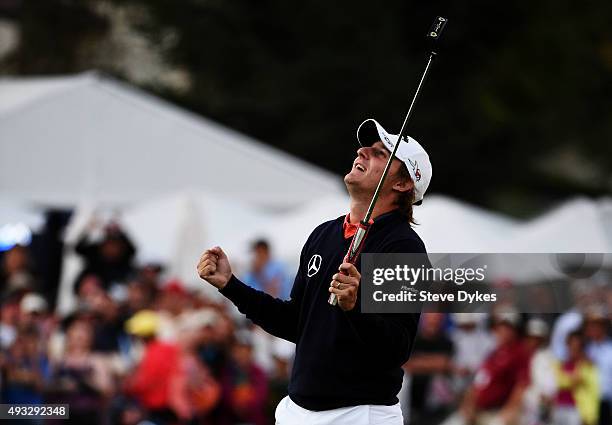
point(142, 349)
point(139, 348)
point(468, 368)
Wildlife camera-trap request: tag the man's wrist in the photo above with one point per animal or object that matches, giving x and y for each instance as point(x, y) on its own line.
point(226, 284)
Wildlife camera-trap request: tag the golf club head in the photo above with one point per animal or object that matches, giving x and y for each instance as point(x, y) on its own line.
point(436, 28)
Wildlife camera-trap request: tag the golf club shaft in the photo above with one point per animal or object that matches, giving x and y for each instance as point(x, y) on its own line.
point(402, 135)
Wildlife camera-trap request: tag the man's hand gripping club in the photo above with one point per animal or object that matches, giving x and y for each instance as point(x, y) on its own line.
point(345, 285)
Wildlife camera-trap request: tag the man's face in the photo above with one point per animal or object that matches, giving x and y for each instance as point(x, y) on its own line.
point(368, 167)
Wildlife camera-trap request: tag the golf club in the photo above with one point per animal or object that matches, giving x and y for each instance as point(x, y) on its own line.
point(364, 226)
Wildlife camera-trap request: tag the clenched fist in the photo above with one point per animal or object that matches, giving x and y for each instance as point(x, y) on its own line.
point(214, 267)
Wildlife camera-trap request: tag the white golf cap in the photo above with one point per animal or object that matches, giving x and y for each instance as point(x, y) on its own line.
point(410, 152)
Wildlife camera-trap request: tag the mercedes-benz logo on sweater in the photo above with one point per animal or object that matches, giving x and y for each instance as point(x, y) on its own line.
point(314, 264)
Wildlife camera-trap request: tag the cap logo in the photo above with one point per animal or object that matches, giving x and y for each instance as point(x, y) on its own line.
point(415, 169)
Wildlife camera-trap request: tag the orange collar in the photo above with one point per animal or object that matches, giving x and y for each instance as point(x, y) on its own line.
point(349, 228)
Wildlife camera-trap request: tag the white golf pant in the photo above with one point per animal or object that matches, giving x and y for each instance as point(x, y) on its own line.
point(289, 413)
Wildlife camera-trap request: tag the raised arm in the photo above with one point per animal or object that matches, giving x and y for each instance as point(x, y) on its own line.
point(274, 315)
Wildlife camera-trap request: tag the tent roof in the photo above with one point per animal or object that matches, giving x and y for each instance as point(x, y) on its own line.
point(19, 92)
point(449, 225)
point(66, 140)
point(577, 225)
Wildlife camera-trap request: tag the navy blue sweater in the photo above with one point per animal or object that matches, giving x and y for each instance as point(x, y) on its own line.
point(342, 358)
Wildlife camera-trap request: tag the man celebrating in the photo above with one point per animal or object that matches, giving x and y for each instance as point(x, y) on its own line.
point(347, 367)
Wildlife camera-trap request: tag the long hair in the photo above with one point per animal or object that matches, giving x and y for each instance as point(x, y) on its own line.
point(405, 200)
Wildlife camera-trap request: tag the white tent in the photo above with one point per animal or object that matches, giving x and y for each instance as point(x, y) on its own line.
point(173, 230)
point(447, 225)
point(575, 226)
point(88, 138)
point(15, 212)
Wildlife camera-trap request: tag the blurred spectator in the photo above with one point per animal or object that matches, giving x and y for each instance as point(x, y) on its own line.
point(89, 285)
point(153, 382)
point(429, 366)
point(110, 259)
point(16, 273)
point(267, 274)
point(33, 312)
point(139, 296)
point(219, 339)
point(571, 320)
point(104, 313)
point(499, 384)
point(282, 355)
point(81, 378)
point(172, 301)
point(472, 344)
point(150, 274)
point(577, 400)
point(108, 323)
point(26, 369)
point(245, 386)
point(9, 317)
point(31, 307)
point(201, 392)
point(599, 350)
point(542, 387)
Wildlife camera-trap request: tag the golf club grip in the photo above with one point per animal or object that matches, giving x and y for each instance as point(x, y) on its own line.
point(353, 252)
